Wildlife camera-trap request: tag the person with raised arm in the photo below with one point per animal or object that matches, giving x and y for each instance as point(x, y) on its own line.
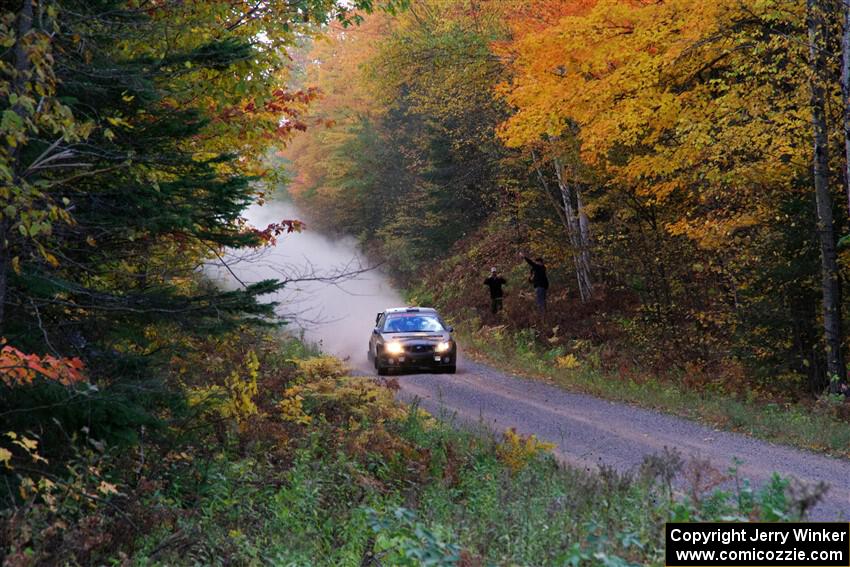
point(539, 280)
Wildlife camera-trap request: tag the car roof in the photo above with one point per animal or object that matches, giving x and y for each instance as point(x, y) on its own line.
point(392, 310)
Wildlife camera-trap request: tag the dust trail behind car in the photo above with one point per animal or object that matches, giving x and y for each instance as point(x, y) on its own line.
point(334, 310)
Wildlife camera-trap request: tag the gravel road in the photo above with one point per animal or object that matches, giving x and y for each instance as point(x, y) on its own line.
point(589, 431)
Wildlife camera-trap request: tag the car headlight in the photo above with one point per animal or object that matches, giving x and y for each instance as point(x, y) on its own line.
point(394, 347)
point(444, 346)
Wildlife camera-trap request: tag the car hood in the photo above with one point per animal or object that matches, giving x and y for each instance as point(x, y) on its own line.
point(417, 337)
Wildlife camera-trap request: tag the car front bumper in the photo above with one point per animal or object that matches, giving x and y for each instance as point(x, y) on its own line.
point(418, 360)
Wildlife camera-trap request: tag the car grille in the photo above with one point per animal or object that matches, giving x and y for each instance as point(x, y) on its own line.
point(419, 349)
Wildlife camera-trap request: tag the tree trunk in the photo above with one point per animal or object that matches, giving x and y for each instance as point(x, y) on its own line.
point(579, 235)
point(22, 68)
point(845, 93)
point(4, 270)
point(830, 281)
point(584, 236)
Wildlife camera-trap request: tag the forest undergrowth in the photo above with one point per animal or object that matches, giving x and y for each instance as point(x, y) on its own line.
point(280, 457)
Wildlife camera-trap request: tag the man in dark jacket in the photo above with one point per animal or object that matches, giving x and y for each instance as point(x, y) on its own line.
point(539, 280)
point(495, 283)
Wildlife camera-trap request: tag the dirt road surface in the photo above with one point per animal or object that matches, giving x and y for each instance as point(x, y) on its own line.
point(589, 431)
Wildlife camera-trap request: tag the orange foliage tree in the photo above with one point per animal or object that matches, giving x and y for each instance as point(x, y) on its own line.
point(700, 114)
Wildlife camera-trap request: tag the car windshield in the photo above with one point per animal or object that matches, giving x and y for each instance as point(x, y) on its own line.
point(406, 323)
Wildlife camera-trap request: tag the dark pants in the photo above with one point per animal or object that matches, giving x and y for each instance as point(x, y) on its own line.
point(495, 304)
point(540, 298)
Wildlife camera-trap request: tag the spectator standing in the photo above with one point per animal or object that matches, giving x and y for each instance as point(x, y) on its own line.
point(495, 283)
point(539, 280)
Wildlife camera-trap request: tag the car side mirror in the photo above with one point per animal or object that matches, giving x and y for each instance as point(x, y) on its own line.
point(375, 331)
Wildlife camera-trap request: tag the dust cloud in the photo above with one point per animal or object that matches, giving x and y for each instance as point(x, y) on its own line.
point(333, 305)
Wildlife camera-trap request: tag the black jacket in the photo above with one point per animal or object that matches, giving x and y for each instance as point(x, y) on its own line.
point(538, 271)
point(495, 284)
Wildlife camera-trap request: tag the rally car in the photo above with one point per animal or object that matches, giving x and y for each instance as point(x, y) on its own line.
point(412, 337)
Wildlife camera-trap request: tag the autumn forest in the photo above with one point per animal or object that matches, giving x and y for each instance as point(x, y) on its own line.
point(682, 166)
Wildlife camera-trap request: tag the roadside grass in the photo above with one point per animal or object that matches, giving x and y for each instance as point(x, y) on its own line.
point(454, 500)
point(802, 426)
